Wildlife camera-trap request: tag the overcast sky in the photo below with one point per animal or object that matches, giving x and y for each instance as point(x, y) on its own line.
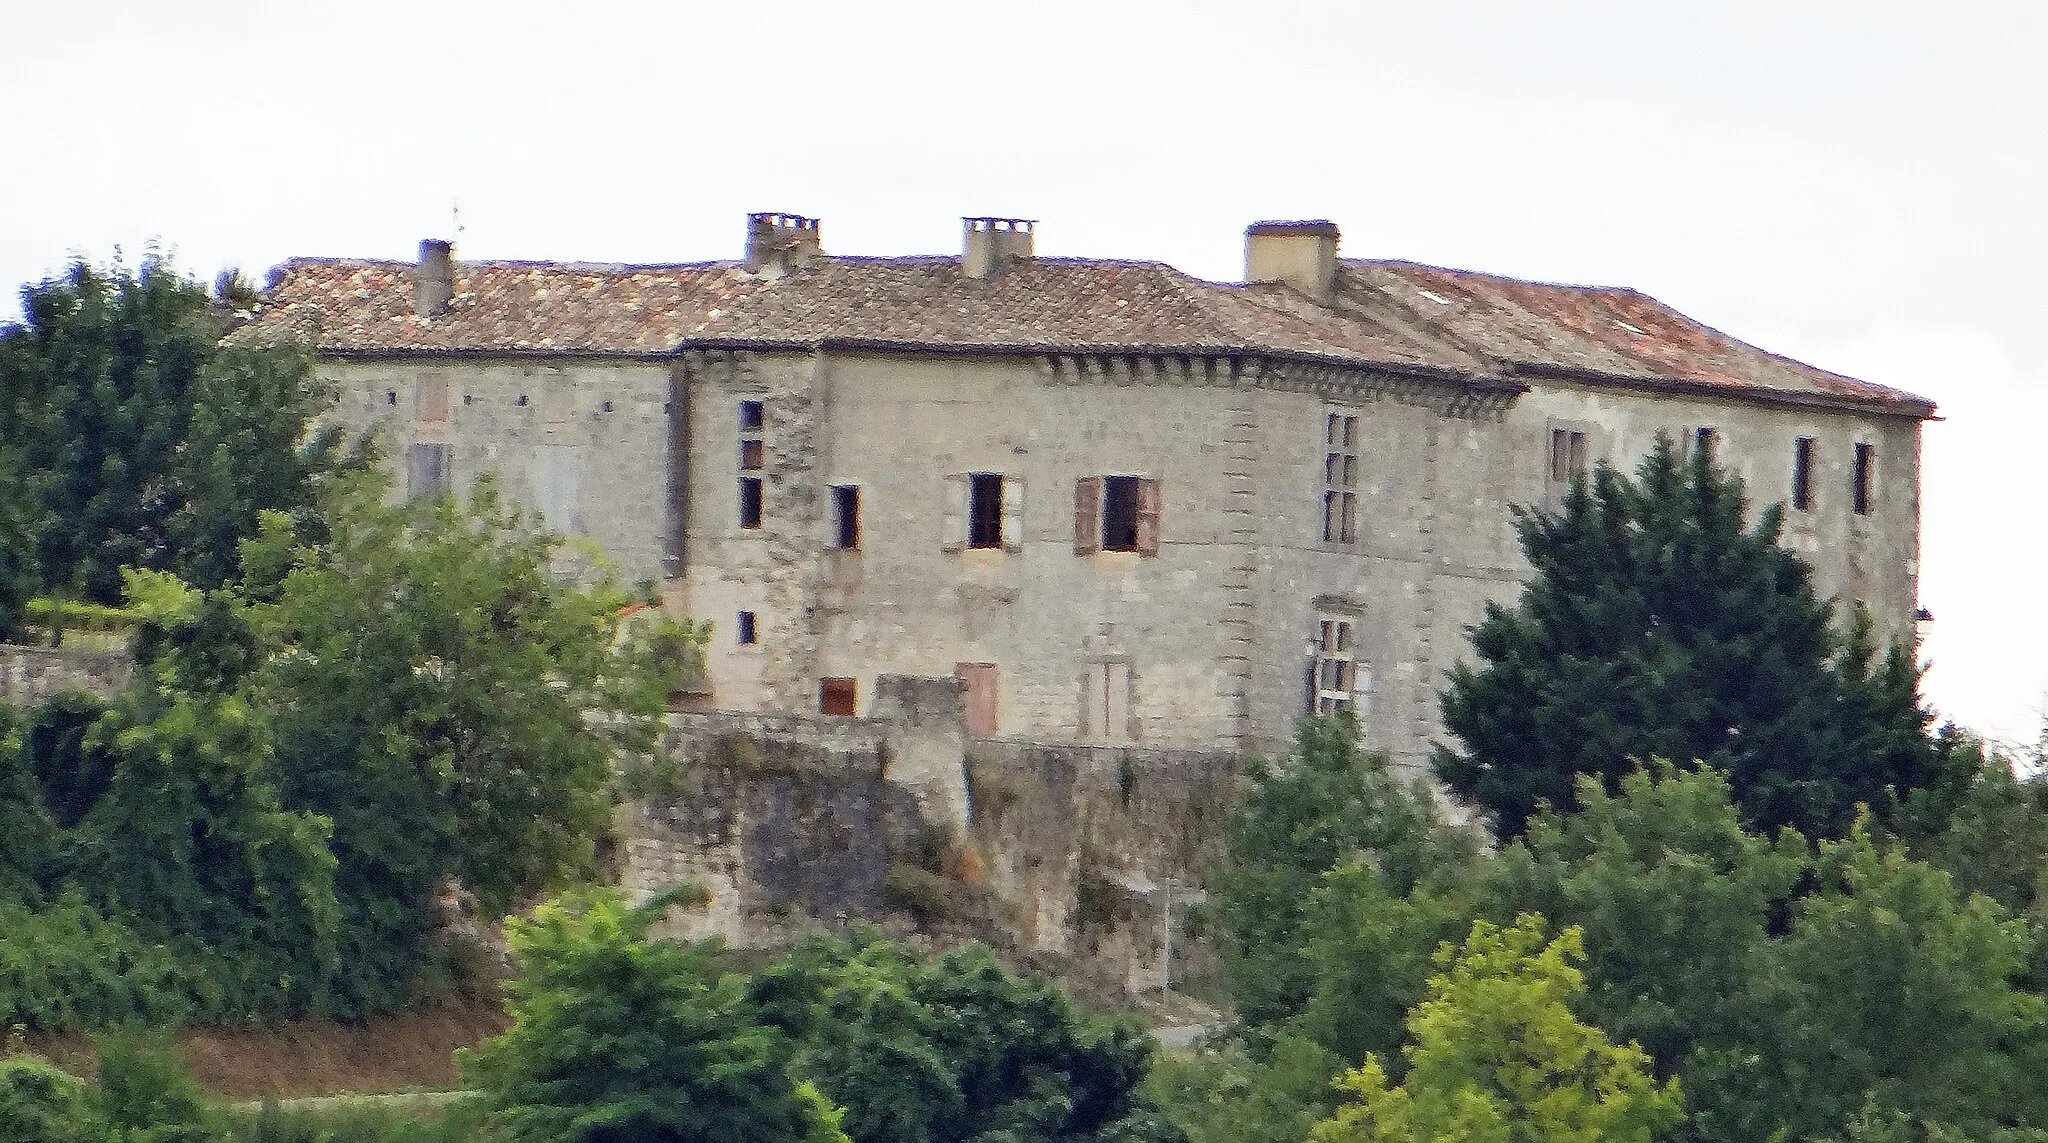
point(1856, 184)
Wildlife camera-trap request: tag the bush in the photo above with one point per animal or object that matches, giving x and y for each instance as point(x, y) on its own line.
point(68, 967)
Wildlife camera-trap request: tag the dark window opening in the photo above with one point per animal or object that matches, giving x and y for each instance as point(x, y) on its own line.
point(750, 416)
point(391, 396)
point(836, 696)
point(1119, 513)
point(1703, 439)
point(1866, 454)
point(845, 516)
point(751, 453)
point(521, 402)
point(1802, 474)
point(985, 510)
point(604, 407)
point(746, 633)
point(750, 501)
point(465, 399)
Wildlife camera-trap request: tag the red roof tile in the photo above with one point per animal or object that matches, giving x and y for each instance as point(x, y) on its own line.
point(1389, 314)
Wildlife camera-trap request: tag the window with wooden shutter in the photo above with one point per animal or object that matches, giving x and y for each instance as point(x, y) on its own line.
point(1148, 517)
point(1087, 515)
point(836, 697)
point(954, 529)
point(1013, 514)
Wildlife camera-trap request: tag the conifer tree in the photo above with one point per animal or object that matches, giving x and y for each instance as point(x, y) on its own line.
point(1658, 623)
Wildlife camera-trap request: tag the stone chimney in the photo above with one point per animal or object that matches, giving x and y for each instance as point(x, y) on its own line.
point(433, 281)
point(993, 243)
point(1301, 254)
point(778, 242)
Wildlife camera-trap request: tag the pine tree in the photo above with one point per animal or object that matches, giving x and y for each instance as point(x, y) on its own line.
point(1658, 624)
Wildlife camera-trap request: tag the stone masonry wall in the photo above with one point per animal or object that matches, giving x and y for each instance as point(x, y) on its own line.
point(28, 675)
point(1069, 858)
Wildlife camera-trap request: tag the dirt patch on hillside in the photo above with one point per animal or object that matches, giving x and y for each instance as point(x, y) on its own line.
point(408, 1050)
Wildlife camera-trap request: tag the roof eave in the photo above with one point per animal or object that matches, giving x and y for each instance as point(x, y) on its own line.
point(1902, 405)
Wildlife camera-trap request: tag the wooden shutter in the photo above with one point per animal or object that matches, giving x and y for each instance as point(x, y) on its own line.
point(1013, 514)
point(954, 536)
point(1148, 517)
point(1087, 515)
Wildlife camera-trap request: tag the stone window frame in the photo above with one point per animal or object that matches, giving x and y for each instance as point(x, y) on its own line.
point(1590, 451)
point(1340, 475)
point(750, 461)
point(1339, 675)
point(1100, 675)
point(1805, 457)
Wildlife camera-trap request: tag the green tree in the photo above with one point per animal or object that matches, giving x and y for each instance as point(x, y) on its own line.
point(19, 573)
point(40, 1103)
point(1327, 802)
point(1658, 623)
point(1498, 1057)
point(144, 441)
point(449, 706)
point(619, 1037)
point(955, 1049)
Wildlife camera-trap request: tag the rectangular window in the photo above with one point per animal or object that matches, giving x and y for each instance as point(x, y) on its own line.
point(985, 510)
point(750, 501)
point(836, 696)
point(426, 470)
point(1106, 702)
point(751, 453)
point(1866, 464)
point(751, 418)
point(1119, 513)
point(1340, 479)
point(745, 634)
point(845, 516)
point(1567, 455)
point(1336, 684)
point(980, 697)
point(430, 403)
point(1802, 474)
point(1704, 439)
point(1116, 514)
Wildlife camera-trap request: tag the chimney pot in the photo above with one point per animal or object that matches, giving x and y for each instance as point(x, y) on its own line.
point(433, 282)
point(1301, 254)
point(778, 242)
point(989, 244)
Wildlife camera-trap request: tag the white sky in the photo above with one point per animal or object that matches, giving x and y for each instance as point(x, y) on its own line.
point(1856, 184)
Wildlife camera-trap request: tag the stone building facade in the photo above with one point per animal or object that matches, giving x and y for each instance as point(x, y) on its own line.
point(1123, 504)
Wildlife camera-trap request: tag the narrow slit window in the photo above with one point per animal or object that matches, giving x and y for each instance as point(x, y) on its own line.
point(1119, 513)
point(750, 501)
point(745, 633)
point(845, 516)
point(985, 510)
point(1866, 458)
point(1802, 474)
point(1704, 439)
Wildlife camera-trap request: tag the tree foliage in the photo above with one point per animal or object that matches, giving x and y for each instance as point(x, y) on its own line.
point(1327, 802)
point(616, 1037)
point(1659, 623)
point(1498, 1057)
point(144, 441)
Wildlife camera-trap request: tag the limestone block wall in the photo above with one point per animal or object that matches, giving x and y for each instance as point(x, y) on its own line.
point(28, 675)
point(582, 442)
point(1070, 859)
point(1057, 628)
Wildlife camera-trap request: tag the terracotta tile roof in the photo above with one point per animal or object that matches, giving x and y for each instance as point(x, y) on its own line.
point(1588, 332)
point(1483, 329)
